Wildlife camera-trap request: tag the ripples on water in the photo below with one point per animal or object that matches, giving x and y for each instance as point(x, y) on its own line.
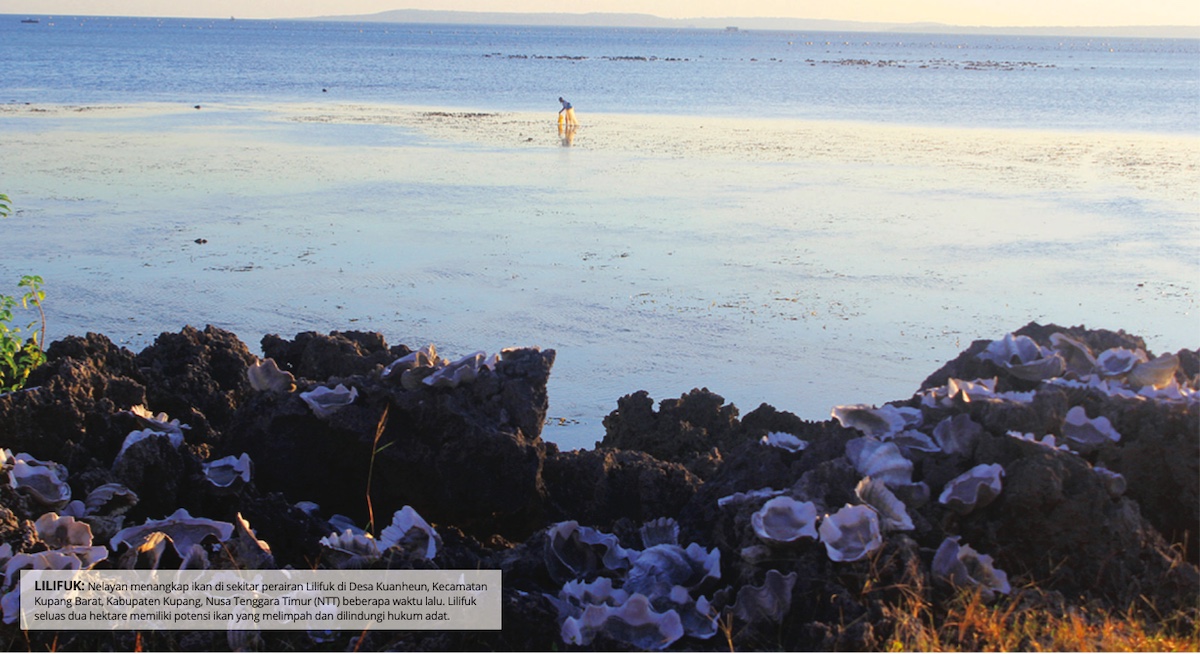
point(836, 275)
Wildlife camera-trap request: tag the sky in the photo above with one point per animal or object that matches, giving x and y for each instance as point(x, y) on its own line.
point(1022, 13)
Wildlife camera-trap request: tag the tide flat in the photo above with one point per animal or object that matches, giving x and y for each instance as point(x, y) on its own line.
point(799, 263)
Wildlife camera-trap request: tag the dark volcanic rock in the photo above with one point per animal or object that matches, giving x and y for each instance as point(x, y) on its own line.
point(1159, 456)
point(67, 412)
point(1056, 522)
point(96, 350)
point(471, 461)
point(470, 455)
point(597, 487)
point(968, 365)
point(196, 372)
point(293, 534)
point(1159, 450)
point(339, 354)
point(753, 466)
point(155, 471)
point(682, 430)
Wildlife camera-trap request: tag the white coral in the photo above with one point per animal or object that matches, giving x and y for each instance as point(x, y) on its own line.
point(783, 520)
point(962, 566)
point(408, 526)
point(876, 422)
point(1089, 432)
point(879, 460)
point(224, 472)
point(784, 441)
point(183, 530)
point(45, 481)
point(893, 515)
point(851, 533)
point(265, 375)
point(974, 489)
point(325, 401)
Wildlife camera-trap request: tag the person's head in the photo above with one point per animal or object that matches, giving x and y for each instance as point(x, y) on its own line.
point(560, 99)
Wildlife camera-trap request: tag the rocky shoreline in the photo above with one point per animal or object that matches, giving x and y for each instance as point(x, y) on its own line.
point(1099, 510)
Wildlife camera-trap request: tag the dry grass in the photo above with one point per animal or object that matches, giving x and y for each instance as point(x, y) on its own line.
point(1030, 621)
point(375, 449)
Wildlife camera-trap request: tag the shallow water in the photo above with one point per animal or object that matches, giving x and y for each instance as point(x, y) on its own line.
point(798, 261)
point(1145, 85)
point(752, 258)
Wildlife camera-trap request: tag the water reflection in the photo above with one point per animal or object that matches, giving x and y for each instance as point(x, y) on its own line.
point(567, 134)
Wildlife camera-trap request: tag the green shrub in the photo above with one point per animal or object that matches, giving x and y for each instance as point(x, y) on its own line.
point(20, 349)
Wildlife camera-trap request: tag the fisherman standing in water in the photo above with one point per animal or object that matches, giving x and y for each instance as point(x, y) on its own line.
point(569, 112)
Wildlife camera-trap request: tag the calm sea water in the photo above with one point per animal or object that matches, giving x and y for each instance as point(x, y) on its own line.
point(1150, 85)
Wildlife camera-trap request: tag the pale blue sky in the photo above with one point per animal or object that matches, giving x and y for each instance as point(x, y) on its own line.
point(957, 12)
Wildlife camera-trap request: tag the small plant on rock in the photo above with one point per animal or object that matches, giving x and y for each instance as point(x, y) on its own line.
point(20, 349)
point(20, 354)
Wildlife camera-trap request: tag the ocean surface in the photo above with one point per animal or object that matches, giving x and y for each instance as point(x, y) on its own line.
point(1120, 84)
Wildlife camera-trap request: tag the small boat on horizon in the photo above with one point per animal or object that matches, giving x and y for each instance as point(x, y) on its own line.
point(30, 20)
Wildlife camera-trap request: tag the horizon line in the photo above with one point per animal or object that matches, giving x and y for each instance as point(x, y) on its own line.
point(717, 22)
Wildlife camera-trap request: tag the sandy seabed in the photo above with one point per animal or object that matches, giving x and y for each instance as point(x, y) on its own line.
point(802, 264)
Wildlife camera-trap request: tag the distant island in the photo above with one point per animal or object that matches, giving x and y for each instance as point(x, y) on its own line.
point(596, 19)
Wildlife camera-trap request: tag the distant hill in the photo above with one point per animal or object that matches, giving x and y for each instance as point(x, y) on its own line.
point(784, 24)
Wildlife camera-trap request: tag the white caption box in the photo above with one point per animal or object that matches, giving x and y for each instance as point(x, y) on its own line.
point(260, 599)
